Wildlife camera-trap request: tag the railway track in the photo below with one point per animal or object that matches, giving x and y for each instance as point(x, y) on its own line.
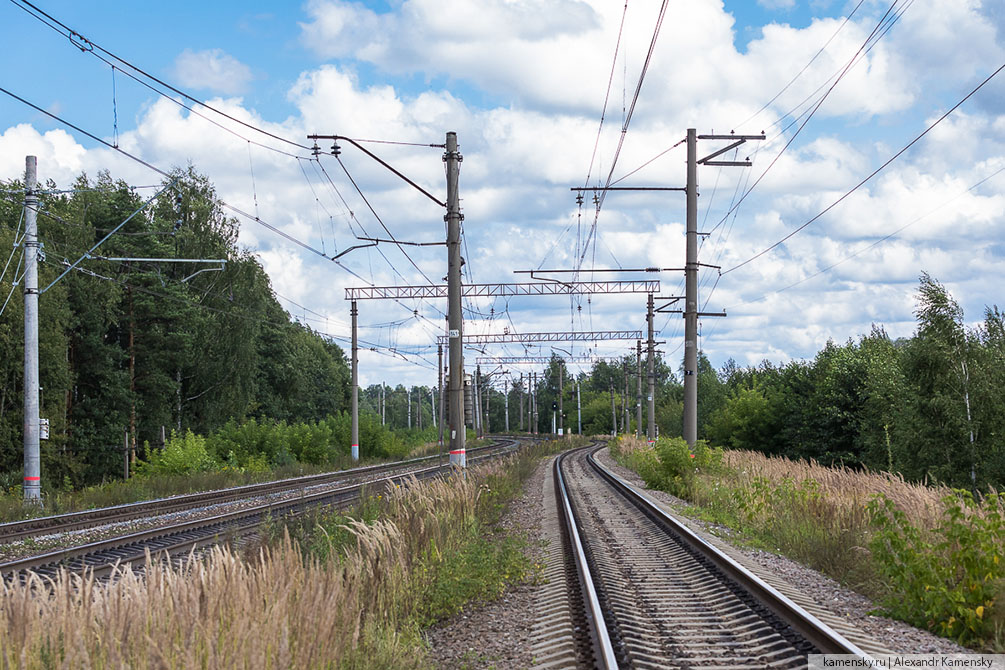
point(631, 587)
point(101, 557)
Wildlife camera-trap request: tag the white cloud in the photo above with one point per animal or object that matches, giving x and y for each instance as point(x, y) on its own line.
point(212, 70)
point(522, 156)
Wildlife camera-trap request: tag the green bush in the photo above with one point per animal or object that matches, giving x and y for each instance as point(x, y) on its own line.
point(679, 465)
point(949, 579)
point(181, 455)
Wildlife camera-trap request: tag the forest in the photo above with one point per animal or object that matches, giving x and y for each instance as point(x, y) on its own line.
point(135, 346)
point(931, 406)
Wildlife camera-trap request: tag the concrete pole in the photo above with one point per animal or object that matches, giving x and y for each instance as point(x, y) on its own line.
point(521, 401)
point(533, 403)
point(355, 384)
point(625, 420)
point(408, 401)
point(691, 295)
point(506, 396)
point(651, 373)
point(454, 317)
point(476, 404)
point(561, 421)
point(579, 410)
point(488, 401)
point(614, 413)
point(638, 393)
point(439, 388)
point(32, 488)
point(382, 417)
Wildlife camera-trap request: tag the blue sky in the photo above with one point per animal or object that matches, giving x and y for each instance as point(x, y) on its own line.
point(523, 84)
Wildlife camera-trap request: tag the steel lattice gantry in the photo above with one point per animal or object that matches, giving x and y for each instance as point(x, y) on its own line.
point(490, 290)
point(567, 336)
point(536, 360)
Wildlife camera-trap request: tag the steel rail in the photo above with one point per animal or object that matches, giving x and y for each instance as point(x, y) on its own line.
point(822, 636)
point(604, 649)
point(16, 530)
point(105, 555)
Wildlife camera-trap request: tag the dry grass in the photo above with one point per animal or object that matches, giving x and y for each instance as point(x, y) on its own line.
point(846, 489)
point(280, 609)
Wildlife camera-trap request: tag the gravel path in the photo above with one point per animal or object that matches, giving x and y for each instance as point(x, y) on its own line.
point(495, 635)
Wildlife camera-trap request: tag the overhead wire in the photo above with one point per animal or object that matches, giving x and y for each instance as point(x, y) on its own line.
point(624, 130)
point(877, 30)
point(871, 175)
point(879, 241)
point(125, 66)
point(165, 174)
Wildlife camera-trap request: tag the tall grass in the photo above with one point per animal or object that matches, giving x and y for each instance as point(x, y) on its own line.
point(931, 555)
point(353, 598)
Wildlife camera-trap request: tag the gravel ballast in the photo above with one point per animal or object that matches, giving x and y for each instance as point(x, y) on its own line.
point(495, 635)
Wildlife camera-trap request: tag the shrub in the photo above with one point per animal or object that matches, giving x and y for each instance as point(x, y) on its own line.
point(679, 464)
point(180, 456)
point(947, 579)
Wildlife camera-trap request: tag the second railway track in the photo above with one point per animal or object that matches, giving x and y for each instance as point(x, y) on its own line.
point(633, 588)
point(178, 537)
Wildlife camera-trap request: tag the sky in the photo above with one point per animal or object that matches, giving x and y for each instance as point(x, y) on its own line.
point(839, 88)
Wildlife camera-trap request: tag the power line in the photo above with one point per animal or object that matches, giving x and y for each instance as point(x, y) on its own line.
point(871, 39)
point(86, 45)
point(872, 174)
point(607, 95)
point(876, 243)
point(624, 130)
point(805, 67)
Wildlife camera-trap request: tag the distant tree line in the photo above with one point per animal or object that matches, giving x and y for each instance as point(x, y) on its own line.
point(931, 406)
point(137, 345)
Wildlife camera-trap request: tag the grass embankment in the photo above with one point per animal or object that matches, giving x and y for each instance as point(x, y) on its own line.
point(332, 590)
point(932, 556)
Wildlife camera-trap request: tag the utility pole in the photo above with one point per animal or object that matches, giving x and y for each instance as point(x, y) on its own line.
point(355, 384)
point(439, 388)
point(561, 420)
point(638, 393)
point(533, 402)
point(32, 463)
point(408, 401)
point(614, 413)
point(521, 401)
point(691, 266)
point(488, 400)
point(651, 373)
point(382, 406)
point(477, 406)
point(452, 158)
point(579, 411)
point(625, 422)
point(691, 294)
point(506, 396)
